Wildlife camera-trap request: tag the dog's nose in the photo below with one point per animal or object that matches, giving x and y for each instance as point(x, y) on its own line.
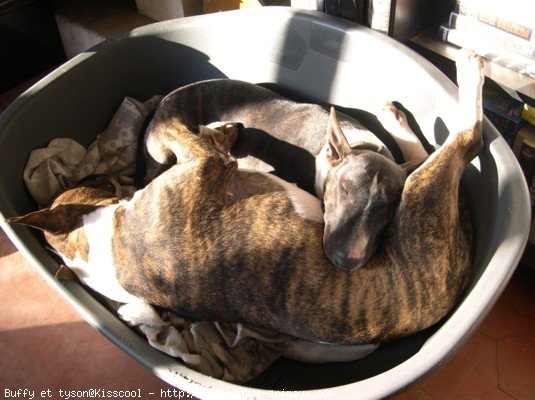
point(340, 258)
point(357, 251)
point(337, 258)
point(343, 251)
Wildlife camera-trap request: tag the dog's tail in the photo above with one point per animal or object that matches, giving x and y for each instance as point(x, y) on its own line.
point(141, 163)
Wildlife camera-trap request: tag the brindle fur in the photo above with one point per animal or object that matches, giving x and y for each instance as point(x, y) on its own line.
point(212, 242)
point(288, 136)
point(274, 130)
point(253, 259)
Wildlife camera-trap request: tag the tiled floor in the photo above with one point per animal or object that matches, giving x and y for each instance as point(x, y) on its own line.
point(44, 345)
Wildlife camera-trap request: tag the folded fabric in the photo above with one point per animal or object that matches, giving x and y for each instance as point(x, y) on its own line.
point(232, 352)
point(229, 351)
point(64, 162)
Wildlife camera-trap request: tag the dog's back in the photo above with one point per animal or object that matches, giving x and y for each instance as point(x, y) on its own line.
point(291, 140)
point(278, 135)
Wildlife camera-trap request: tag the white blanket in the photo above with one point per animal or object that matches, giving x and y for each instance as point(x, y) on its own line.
point(232, 352)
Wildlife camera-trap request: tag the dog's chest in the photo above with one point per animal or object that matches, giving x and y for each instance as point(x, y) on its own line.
point(98, 271)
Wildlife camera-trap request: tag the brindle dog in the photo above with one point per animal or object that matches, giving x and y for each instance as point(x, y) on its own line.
point(212, 242)
point(299, 143)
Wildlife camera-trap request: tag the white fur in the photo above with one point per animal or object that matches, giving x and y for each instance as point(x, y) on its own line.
point(470, 79)
point(396, 124)
point(322, 169)
point(306, 205)
point(251, 163)
point(129, 205)
point(99, 272)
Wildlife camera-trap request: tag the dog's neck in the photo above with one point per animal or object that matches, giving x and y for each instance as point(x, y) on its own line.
point(88, 252)
point(79, 225)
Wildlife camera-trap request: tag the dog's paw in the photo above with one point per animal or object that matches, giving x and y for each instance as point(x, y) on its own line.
point(469, 68)
point(229, 129)
point(469, 57)
point(221, 135)
point(392, 118)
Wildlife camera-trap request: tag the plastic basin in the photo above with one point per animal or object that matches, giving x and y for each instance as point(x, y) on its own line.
point(317, 57)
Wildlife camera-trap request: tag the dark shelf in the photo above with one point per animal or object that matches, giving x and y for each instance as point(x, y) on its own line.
point(502, 75)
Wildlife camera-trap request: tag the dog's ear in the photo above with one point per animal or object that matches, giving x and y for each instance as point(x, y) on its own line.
point(61, 219)
point(337, 145)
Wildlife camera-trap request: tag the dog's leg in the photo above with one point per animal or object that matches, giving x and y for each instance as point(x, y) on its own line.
point(428, 233)
point(449, 161)
point(439, 176)
point(169, 142)
point(395, 122)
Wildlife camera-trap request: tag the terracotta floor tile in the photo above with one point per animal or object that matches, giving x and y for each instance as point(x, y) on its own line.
point(513, 313)
point(496, 394)
point(516, 365)
point(34, 358)
point(416, 393)
point(6, 247)
point(472, 372)
point(99, 364)
point(33, 303)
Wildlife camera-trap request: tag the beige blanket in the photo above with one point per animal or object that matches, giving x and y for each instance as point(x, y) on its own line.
point(232, 352)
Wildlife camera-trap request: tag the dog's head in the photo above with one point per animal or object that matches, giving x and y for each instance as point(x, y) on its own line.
point(61, 220)
point(361, 191)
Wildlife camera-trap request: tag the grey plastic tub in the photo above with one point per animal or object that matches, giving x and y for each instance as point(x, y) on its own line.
point(316, 57)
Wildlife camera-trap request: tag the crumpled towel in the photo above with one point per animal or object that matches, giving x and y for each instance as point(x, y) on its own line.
point(232, 352)
point(65, 162)
point(226, 351)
